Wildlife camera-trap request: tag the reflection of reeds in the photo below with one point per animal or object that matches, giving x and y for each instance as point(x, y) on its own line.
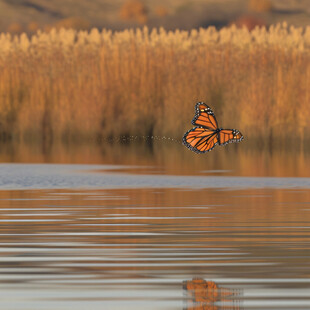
point(98, 84)
point(168, 157)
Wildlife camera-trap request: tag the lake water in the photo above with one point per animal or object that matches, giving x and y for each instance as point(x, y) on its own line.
point(154, 227)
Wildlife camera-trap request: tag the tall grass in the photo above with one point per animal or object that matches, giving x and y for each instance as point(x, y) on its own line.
point(69, 84)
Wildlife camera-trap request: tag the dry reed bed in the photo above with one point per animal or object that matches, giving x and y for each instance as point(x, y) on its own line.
point(69, 84)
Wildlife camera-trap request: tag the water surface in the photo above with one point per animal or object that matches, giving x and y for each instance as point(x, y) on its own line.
point(124, 233)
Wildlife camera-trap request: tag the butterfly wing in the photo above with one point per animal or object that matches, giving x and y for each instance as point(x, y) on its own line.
point(204, 117)
point(226, 136)
point(200, 140)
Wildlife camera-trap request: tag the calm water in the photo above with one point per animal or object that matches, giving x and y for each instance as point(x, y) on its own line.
point(137, 227)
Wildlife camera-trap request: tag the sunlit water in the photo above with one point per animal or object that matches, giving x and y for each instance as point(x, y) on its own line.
point(134, 230)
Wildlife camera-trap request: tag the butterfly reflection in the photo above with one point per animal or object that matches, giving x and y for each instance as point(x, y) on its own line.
point(207, 295)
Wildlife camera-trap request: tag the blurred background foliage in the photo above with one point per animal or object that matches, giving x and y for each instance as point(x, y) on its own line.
point(71, 84)
point(17, 16)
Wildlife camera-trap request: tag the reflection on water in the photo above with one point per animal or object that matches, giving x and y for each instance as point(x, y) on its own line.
point(127, 226)
point(169, 157)
point(133, 248)
point(55, 176)
point(207, 295)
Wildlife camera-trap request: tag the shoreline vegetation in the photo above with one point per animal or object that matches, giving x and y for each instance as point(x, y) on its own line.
point(74, 85)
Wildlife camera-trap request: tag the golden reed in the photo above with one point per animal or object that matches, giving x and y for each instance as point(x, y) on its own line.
point(69, 84)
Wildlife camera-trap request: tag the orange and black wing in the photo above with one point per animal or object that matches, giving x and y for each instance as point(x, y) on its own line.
point(226, 136)
point(204, 117)
point(200, 140)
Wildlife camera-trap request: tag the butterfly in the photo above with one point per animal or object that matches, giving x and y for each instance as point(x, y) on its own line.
point(206, 135)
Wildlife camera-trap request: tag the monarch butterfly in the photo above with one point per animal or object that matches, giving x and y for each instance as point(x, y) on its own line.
point(206, 135)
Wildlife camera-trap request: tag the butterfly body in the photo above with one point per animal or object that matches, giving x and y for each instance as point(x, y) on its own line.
point(206, 134)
